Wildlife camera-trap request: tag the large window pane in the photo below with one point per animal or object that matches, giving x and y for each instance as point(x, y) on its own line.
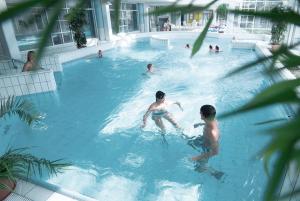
point(57, 39)
point(67, 37)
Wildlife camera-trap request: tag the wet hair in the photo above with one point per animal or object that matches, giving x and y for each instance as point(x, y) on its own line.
point(210, 47)
point(217, 48)
point(187, 45)
point(29, 54)
point(149, 66)
point(208, 111)
point(160, 95)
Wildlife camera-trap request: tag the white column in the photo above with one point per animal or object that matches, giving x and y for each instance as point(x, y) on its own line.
point(146, 18)
point(107, 21)
point(7, 37)
point(141, 17)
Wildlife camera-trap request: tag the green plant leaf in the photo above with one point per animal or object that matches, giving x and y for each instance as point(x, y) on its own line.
point(281, 51)
point(18, 9)
point(22, 108)
point(281, 140)
point(274, 180)
point(199, 41)
point(270, 121)
point(290, 194)
point(282, 92)
point(21, 164)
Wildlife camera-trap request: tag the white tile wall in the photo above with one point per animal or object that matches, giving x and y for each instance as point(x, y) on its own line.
point(159, 42)
point(7, 67)
point(27, 83)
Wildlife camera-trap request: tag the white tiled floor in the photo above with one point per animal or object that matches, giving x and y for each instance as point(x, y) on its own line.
point(26, 191)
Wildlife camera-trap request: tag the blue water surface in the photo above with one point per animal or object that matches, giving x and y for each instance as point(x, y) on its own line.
point(93, 120)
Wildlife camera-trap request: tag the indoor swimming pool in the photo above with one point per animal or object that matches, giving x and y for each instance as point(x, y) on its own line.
point(93, 120)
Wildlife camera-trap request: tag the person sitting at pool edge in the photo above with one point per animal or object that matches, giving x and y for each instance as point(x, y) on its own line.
point(149, 68)
point(210, 138)
point(28, 66)
point(159, 111)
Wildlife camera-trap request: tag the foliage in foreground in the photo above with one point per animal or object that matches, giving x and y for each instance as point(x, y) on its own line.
point(22, 108)
point(15, 163)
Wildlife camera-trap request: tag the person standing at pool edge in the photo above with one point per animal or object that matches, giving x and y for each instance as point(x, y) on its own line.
point(210, 137)
point(159, 111)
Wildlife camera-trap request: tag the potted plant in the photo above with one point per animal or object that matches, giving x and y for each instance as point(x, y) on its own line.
point(278, 28)
point(15, 163)
point(77, 20)
point(222, 12)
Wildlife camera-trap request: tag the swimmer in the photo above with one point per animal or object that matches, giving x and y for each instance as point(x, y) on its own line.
point(208, 142)
point(100, 54)
point(159, 111)
point(187, 46)
point(211, 49)
point(150, 68)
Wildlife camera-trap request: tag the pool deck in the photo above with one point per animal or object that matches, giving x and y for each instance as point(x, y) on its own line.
point(26, 191)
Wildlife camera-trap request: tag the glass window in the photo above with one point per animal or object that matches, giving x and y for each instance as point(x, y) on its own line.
point(128, 18)
point(57, 39)
point(67, 37)
point(64, 26)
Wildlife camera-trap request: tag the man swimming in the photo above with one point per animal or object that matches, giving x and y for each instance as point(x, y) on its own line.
point(159, 111)
point(208, 142)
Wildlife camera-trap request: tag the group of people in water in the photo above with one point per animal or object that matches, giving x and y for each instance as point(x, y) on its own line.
point(211, 49)
point(207, 143)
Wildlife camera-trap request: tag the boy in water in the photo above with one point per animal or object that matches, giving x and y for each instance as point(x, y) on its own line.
point(149, 68)
point(159, 111)
point(209, 141)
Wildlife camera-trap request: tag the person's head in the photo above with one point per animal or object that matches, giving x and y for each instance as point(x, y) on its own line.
point(210, 47)
point(217, 48)
point(30, 56)
point(208, 112)
point(149, 67)
point(160, 96)
point(187, 45)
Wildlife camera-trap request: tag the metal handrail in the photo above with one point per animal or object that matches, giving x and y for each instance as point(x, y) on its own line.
point(9, 59)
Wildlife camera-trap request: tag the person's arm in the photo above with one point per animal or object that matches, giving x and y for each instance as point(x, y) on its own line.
point(146, 116)
point(214, 150)
point(179, 105)
point(198, 124)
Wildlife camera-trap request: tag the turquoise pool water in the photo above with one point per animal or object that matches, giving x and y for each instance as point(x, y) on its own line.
point(93, 121)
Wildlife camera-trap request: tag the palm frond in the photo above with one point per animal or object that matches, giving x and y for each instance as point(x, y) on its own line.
point(282, 92)
point(22, 108)
point(16, 163)
point(199, 41)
